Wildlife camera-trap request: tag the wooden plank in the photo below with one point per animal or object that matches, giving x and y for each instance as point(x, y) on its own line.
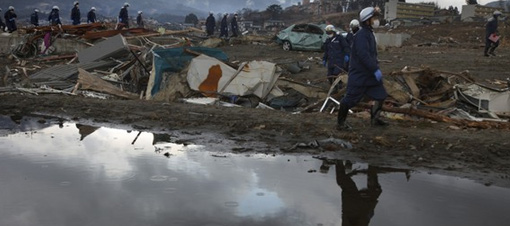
point(415, 91)
point(91, 82)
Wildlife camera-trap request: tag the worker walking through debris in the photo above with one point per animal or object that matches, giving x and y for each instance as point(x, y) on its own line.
point(139, 19)
point(491, 34)
point(224, 26)
point(2, 25)
point(365, 76)
point(124, 17)
point(34, 18)
point(354, 27)
point(235, 28)
point(10, 19)
point(336, 53)
point(91, 15)
point(210, 24)
point(54, 17)
point(75, 13)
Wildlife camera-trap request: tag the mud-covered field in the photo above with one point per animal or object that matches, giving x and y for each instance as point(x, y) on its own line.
point(482, 155)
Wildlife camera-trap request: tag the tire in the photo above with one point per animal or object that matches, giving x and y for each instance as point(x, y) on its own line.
point(287, 46)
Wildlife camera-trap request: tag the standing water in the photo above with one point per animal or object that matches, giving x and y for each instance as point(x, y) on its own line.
point(81, 175)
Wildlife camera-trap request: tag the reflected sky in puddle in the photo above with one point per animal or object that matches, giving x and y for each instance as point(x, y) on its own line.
point(57, 176)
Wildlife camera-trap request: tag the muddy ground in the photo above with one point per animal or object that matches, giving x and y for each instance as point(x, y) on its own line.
point(482, 155)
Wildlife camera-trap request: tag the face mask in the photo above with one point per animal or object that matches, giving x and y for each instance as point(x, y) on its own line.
point(331, 35)
point(375, 24)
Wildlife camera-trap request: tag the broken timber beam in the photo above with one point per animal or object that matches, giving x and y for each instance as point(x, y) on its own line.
point(442, 118)
point(91, 82)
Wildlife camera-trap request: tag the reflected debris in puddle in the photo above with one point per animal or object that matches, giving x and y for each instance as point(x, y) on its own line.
point(161, 138)
point(358, 205)
point(85, 130)
point(16, 123)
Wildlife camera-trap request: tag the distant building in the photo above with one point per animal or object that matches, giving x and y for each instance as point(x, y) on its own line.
point(245, 25)
point(393, 9)
point(477, 11)
point(274, 25)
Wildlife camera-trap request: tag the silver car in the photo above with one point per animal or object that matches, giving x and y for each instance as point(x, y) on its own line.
point(304, 37)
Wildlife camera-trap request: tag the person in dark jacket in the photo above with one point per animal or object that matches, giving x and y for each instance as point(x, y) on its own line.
point(210, 24)
point(75, 13)
point(365, 76)
point(491, 29)
point(91, 15)
point(139, 19)
point(235, 28)
point(34, 18)
point(123, 16)
point(54, 17)
point(10, 19)
point(2, 25)
point(354, 27)
point(224, 26)
point(336, 53)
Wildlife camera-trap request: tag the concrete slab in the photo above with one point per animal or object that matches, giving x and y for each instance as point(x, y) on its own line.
point(114, 46)
point(391, 40)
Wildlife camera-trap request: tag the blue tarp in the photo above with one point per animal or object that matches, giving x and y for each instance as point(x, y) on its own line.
point(176, 59)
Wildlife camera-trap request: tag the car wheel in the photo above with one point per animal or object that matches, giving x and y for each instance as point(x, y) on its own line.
point(287, 46)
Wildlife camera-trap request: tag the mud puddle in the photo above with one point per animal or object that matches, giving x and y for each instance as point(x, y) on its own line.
point(75, 174)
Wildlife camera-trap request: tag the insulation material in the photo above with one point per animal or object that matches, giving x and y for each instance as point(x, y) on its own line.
point(211, 77)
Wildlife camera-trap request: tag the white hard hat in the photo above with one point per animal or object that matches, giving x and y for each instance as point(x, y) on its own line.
point(354, 23)
point(139, 12)
point(126, 4)
point(56, 7)
point(36, 10)
point(93, 8)
point(367, 13)
point(497, 13)
point(211, 12)
point(330, 28)
point(11, 7)
point(76, 3)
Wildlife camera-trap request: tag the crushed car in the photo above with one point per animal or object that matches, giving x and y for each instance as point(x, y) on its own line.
point(304, 37)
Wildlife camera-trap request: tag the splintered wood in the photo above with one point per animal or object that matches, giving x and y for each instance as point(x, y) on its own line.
point(88, 81)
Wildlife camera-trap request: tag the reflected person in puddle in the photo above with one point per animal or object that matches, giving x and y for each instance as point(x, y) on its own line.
point(357, 204)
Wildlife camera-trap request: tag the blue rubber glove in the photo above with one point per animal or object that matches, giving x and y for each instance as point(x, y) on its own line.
point(378, 75)
point(324, 63)
point(346, 58)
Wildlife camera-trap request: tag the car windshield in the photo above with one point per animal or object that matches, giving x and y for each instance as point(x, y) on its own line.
point(299, 28)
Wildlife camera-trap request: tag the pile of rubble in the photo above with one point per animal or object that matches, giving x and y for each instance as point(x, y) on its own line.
point(137, 67)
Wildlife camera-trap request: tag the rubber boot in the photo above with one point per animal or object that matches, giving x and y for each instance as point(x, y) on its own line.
point(491, 51)
point(485, 52)
point(375, 114)
point(342, 116)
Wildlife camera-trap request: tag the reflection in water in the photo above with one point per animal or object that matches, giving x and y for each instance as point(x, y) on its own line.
point(358, 204)
point(85, 130)
point(53, 178)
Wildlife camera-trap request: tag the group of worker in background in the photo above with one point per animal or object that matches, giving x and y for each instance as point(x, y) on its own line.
point(54, 17)
point(356, 54)
point(210, 25)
